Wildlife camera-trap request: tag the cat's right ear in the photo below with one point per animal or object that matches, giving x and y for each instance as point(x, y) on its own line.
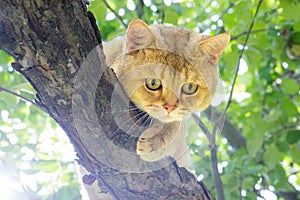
point(139, 35)
point(215, 45)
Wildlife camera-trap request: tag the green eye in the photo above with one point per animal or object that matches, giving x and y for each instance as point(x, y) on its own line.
point(153, 83)
point(189, 88)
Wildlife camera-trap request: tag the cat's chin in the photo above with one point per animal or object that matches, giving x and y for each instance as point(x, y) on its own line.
point(169, 118)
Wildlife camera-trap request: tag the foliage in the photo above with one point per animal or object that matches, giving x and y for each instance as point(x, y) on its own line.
point(265, 107)
point(36, 157)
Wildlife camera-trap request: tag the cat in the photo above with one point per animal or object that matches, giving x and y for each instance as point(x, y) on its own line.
point(169, 73)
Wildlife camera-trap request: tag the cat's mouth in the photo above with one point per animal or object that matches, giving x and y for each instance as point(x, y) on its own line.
point(160, 113)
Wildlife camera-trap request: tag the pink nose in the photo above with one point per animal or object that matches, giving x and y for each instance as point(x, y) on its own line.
point(169, 107)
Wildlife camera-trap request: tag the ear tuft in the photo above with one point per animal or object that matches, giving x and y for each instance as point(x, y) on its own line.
point(215, 45)
point(138, 35)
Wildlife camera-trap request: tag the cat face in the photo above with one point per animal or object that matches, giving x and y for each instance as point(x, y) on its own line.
point(168, 88)
point(169, 72)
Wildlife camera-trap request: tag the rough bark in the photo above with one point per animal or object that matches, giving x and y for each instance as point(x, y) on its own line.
point(49, 40)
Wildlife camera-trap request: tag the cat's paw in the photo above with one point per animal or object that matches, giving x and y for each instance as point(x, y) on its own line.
point(154, 143)
point(148, 145)
point(150, 149)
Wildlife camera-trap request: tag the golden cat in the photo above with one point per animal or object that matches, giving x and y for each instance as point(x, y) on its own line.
point(168, 72)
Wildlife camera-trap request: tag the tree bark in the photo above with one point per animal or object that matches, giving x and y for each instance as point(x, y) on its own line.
point(50, 41)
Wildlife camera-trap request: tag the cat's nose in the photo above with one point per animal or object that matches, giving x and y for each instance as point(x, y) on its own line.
point(170, 107)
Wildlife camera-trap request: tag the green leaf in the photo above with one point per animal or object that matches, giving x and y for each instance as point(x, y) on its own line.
point(293, 136)
point(254, 143)
point(250, 195)
point(274, 116)
point(67, 177)
point(289, 107)
point(27, 94)
point(46, 165)
point(171, 17)
point(272, 156)
point(283, 145)
point(289, 86)
point(5, 58)
point(295, 151)
point(231, 165)
point(279, 179)
point(243, 10)
point(248, 182)
point(70, 192)
point(290, 10)
point(9, 99)
point(295, 37)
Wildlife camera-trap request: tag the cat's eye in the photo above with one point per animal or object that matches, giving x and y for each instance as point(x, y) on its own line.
point(189, 88)
point(153, 83)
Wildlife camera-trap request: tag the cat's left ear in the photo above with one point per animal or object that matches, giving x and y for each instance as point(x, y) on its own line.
point(138, 35)
point(215, 45)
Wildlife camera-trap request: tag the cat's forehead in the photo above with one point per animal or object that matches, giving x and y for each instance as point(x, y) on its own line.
point(162, 63)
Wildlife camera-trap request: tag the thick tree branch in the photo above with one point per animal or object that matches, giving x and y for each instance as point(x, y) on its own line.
point(50, 41)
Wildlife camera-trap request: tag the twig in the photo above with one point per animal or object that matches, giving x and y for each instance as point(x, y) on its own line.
point(116, 14)
point(240, 56)
point(202, 125)
point(220, 190)
point(22, 97)
point(163, 13)
point(212, 136)
point(213, 155)
point(246, 32)
point(140, 9)
point(226, 10)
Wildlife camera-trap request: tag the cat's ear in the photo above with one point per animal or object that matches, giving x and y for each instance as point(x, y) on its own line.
point(138, 35)
point(215, 45)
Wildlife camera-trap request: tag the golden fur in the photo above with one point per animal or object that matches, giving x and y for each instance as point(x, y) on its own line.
point(175, 57)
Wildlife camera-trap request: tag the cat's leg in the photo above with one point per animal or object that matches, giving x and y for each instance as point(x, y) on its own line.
point(158, 141)
point(182, 155)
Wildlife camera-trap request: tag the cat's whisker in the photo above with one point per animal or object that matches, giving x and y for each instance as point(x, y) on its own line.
point(124, 123)
point(145, 117)
point(122, 112)
point(168, 81)
point(125, 110)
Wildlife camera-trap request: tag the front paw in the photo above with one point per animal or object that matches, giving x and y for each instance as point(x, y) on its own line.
point(155, 142)
point(148, 145)
point(150, 149)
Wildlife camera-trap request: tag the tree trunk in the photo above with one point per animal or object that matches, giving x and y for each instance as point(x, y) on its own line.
point(50, 41)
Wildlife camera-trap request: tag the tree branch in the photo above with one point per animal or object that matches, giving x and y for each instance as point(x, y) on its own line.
point(247, 33)
point(116, 14)
point(241, 55)
point(213, 156)
point(140, 9)
point(226, 10)
point(54, 57)
point(24, 98)
point(235, 138)
point(211, 136)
